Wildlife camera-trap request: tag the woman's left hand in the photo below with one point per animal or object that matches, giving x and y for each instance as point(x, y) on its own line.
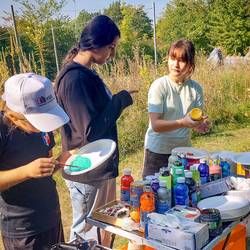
point(203, 127)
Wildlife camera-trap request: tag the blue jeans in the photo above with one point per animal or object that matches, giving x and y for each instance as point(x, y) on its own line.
point(82, 201)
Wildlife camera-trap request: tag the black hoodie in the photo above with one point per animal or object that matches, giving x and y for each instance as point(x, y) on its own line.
point(92, 109)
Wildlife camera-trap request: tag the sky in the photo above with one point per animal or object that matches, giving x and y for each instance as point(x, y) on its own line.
point(72, 8)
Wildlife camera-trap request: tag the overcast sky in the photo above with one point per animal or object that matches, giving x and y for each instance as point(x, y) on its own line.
point(73, 7)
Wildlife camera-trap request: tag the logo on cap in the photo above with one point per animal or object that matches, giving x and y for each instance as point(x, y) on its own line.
point(42, 100)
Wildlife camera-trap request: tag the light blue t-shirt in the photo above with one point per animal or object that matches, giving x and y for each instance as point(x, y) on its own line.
point(173, 101)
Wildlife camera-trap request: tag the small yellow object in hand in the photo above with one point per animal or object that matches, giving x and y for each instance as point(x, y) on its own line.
point(196, 114)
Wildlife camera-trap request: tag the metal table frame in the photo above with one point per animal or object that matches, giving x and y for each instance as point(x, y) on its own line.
point(138, 238)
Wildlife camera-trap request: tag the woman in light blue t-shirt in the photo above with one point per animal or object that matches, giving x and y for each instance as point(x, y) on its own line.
point(170, 99)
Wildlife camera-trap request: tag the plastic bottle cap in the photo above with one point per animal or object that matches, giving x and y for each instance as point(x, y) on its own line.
point(222, 159)
point(157, 175)
point(149, 177)
point(147, 189)
point(147, 182)
point(126, 171)
point(163, 169)
point(193, 168)
point(179, 171)
point(162, 183)
point(203, 160)
point(188, 174)
point(181, 180)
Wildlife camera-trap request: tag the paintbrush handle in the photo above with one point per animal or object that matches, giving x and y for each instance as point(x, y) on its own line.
point(67, 165)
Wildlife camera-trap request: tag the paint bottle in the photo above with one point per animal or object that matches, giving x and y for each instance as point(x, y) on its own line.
point(179, 172)
point(173, 159)
point(163, 198)
point(214, 171)
point(184, 161)
point(196, 177)
point(192, 189)
point(167, 178)
point(195, 173)
point(204, 171)
point(126, 181)
point(181, 192)
point(136, 190)
point(225, 167)
point(147, 204)
point(212, 218)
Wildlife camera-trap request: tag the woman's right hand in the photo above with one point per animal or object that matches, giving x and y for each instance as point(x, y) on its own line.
point(187, 122)
point(41, 167)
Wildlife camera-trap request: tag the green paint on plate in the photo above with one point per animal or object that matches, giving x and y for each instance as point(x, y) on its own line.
point(80, 163)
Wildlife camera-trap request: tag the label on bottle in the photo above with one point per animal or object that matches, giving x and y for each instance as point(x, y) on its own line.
point(181, 200)
point(162, 207)
point(125, 195)
point(203, 180)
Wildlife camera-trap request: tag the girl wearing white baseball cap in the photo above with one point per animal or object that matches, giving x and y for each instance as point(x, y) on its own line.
point(29, 206)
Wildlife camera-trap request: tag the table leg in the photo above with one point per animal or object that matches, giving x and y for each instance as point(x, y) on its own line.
point(112, 240)
point(99, 238)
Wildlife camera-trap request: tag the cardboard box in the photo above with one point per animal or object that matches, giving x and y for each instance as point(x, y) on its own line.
point(98, 215)
point(195, 236)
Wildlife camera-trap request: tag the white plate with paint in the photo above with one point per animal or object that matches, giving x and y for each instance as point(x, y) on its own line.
point(230, 207)
point(191, 153)
point(88, 159)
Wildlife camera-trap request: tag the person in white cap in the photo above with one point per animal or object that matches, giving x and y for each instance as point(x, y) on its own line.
point(29, 206)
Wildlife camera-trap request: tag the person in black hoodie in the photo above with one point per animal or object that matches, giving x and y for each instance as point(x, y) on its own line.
point(93, 113)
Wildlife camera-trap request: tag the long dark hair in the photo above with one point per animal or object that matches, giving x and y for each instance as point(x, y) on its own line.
point(187, 52)
point(99, 32)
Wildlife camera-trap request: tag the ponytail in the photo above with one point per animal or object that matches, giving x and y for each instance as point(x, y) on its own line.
point(71, 55)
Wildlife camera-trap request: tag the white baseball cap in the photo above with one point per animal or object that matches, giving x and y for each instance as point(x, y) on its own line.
point(33, 96)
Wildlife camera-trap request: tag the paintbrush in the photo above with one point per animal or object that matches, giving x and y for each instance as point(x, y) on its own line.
point(68, 165)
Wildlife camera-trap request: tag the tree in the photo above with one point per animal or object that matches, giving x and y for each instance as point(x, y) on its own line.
point(35, 23)
point(82, 19)
point(183, 18)
point(114, 12)
point(229, 25)
point(136, 31)
point(4, 37)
